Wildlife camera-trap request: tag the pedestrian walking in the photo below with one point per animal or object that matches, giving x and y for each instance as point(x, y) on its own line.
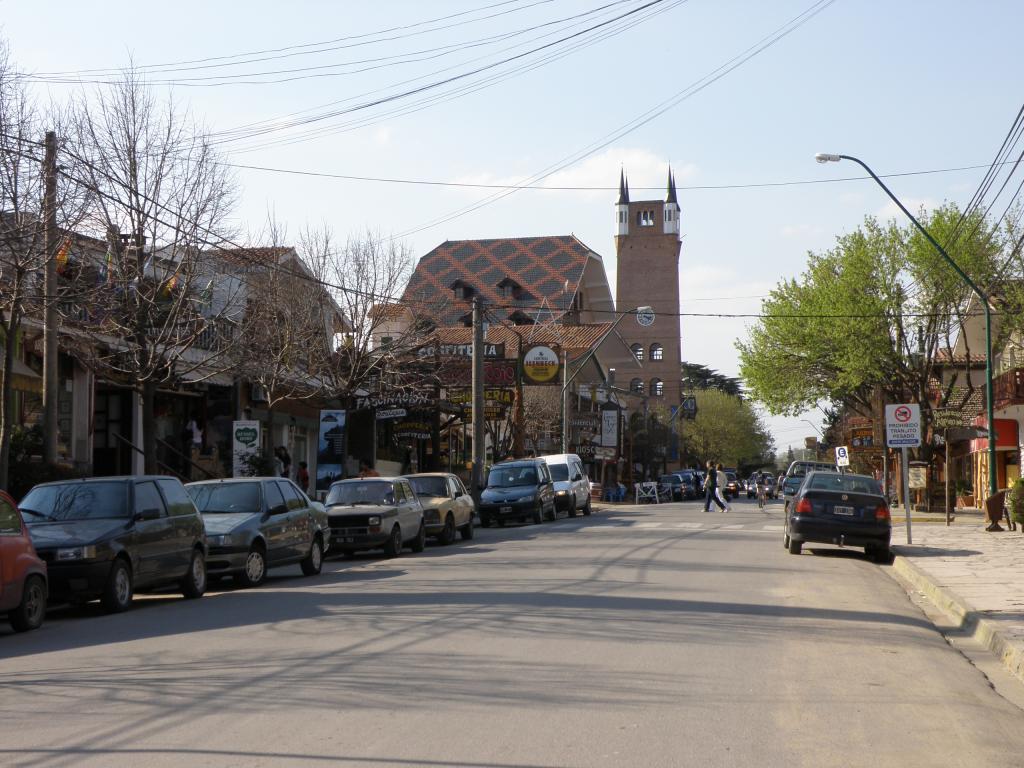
point(721, 482)
point(711, 488)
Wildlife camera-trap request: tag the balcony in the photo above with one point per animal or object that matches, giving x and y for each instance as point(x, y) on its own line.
point(1008, 388)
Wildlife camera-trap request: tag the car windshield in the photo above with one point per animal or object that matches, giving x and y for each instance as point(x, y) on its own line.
point(429, 486)
point(669, 480)
point(506, 477)
point(844, 484)
point(75, 501)
point(559, 472)
point(356, 492)
point(226, 498)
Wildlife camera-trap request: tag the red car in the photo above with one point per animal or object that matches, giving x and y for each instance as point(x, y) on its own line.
point(22, 573)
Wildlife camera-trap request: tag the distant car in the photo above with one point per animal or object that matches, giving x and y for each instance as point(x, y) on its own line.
point(751, 485)
point(257, 523)
point(22, 572)
point(767, 480)
point(833, 508)
point(109, 537)
point(691, 483)
point(732, 486)
point(796, 473)
point(375, 513)
point(519, 489)
point(447, 505)
point(572, 486)
point(671, 487)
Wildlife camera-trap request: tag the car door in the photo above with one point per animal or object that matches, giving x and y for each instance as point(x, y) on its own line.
point(300, 519)
point(183, 520)
point(275, 528)
point(11, 544)
point(463, 511)
point(153, 539)
point(410, 511)
point(580, 483)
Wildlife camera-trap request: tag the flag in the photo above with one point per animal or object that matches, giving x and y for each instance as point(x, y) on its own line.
point(62, 255)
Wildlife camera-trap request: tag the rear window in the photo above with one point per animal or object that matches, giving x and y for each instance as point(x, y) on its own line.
point(227, 497)
point(844, 484)
point(76, 501)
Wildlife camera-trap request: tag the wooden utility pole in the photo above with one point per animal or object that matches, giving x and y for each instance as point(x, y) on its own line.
point(50, 246)
point(478, 399)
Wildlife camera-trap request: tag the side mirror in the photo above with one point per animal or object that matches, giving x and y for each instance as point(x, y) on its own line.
point(148, 514)
point(280, 509)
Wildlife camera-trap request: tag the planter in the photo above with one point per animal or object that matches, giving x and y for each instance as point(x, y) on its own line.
point(965, 501)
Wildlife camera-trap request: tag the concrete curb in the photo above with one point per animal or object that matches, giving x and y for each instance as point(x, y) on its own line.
point(970, 621)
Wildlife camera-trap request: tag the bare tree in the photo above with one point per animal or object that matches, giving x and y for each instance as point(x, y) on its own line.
point(161, 197)
point(542, 413)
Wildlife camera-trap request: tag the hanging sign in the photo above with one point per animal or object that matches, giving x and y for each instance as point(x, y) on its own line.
point(245, 439)
point(542, 363)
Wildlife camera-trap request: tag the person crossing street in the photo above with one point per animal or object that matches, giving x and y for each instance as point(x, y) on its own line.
point(722, 481)
point(711, 488)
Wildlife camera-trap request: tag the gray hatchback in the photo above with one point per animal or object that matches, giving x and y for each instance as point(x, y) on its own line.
point(256, 523)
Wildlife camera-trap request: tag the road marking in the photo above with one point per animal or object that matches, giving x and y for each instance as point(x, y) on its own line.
point(731, 527)
point(647, 525)
point(691, 526)
point(773, 528)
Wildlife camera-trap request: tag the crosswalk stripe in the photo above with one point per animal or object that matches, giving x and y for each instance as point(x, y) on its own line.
point(773, 528)
point(647, 525)
point(691, 526)
point(731, 527)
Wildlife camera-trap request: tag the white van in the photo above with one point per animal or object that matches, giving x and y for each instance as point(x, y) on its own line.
point(572, 486)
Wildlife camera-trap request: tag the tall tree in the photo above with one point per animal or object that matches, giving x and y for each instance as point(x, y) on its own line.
point(872, 313)
point(161, 197)
point(727, 429)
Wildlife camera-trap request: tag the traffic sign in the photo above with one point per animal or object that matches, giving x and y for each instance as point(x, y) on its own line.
point(903, 425)
point(842, 456)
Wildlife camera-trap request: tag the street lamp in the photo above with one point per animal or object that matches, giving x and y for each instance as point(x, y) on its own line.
point(823, 157)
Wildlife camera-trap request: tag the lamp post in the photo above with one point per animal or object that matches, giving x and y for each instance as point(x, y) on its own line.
point(822, 157)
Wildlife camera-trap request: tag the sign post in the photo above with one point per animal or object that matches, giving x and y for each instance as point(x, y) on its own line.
point(842, 457)
point(903, 430)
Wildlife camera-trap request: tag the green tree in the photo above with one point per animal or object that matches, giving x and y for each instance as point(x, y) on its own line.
point(872, 313)
point(697, 376)
point(727, 429)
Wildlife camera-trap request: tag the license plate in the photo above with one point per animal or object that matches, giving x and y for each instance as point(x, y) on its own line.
point(506, 510)
point(846, 511)
point(350, 540)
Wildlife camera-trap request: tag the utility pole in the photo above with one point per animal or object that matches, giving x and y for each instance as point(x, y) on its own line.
point(478, 398)
point(50, 245)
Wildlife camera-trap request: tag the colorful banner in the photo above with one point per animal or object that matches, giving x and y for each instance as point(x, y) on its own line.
point(330, 451)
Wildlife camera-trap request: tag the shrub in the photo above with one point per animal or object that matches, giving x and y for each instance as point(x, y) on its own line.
point(1015, 501)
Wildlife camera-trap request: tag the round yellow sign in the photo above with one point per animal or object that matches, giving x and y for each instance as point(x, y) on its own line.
point(541, 364)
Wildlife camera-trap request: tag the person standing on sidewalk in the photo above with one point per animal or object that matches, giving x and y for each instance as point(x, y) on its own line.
point(720, 483)
point(711, 488)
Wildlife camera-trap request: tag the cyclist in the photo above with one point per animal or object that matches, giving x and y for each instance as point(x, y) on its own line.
point(762, 488)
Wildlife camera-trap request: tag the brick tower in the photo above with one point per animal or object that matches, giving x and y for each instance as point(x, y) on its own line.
point(647, 275)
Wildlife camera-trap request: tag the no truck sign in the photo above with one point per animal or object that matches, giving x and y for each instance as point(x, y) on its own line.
point(903, 425)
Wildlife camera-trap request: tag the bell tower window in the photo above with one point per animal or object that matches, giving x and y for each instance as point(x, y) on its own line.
point(638, 352)
point(657, 352)
point(657, 387)
point(637, 386)
point(645, 218)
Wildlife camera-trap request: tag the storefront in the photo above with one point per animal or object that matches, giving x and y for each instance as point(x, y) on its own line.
point(1007, 454)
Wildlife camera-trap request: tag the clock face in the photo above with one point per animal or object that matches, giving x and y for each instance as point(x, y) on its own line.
point(645, 316)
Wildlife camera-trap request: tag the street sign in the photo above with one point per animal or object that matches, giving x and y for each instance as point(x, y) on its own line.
point(391, 413)
point(903, 425)
point(918, 476)
point(842, 456)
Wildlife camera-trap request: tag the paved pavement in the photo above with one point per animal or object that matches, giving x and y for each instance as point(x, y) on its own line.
point(642, 636)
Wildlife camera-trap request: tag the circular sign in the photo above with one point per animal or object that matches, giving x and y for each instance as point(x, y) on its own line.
point(540, 364)
point(902, 414)
point(645, 316)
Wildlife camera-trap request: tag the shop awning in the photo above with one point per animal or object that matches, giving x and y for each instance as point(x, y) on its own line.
point(24, 379)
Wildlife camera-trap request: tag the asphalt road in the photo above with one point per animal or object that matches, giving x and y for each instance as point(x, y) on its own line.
point(647, 636)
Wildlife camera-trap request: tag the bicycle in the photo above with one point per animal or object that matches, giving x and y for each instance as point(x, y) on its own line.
point(762, 495)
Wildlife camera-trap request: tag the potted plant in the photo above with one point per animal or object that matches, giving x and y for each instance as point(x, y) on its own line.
point(1015, 503)
point(964, 494)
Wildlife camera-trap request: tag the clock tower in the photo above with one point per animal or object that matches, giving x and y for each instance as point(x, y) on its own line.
point(647, 244)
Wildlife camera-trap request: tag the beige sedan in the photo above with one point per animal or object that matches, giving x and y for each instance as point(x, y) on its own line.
point(447, 505)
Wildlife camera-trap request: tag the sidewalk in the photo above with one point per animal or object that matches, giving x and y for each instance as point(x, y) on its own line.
point(975, 577)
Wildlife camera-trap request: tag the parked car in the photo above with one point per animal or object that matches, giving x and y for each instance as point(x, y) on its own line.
point(778, 484)
point(110, 537)
point(572, 486)
point(518, 489)
point(671, 487)
point(375, 513)
point(447, 505)
point(257, 523)
point(691, 483)
point(22, 572)
point(834, 508)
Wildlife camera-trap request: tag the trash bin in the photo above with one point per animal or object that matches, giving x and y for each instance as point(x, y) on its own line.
point(994, 510)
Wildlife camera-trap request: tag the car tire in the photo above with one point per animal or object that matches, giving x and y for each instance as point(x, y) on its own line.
point(587, 509)
point(553, 512)
point(447, 535)
point(393, 548)
point(795, 547)
point(193, 584)
point(32, 609)
point(313, 563)
point(880, 555)
point(466, 531)
point(254, 571)
point(117, 592)
point(538, 514)
point(572, 508)
point(420, 542)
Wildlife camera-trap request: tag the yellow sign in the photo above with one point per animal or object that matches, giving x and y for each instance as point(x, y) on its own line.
point(541, 364)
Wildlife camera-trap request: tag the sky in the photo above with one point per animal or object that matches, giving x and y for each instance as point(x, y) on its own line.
point(907, 86)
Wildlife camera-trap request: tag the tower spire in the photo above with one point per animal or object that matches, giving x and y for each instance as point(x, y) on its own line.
point(623, 189)
point(671, 198)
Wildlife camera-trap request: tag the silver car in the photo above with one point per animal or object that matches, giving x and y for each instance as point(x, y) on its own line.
point(256, 523)
point(375, 513)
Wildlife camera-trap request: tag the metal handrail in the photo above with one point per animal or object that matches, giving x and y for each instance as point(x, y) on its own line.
point(170, 470)
point(186, 459)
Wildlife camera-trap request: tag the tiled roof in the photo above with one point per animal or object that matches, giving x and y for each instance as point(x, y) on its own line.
point(252, 256)
point(390, 311)
point(571, 337)
point(946, 355)
point(540, 265)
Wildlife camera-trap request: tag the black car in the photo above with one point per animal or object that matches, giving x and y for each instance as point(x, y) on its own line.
point(671, 487)
point(521, 489)
point(834, 508)
point(732, 485)
point(107, 538)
